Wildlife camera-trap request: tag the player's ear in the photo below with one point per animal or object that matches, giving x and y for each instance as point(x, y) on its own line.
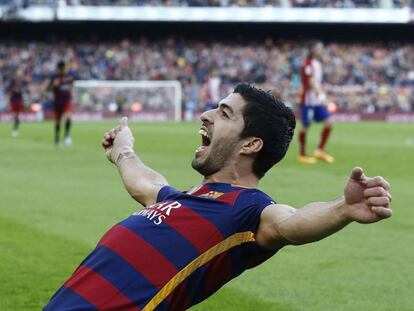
point(251, 145)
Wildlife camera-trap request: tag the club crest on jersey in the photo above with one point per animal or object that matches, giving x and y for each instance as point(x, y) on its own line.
point(158, 212)
point(212, 194)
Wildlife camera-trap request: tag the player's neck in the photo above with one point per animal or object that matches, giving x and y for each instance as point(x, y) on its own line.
point(229, 176)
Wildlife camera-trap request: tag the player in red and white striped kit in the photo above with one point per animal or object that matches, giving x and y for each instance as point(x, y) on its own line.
point(313, 107)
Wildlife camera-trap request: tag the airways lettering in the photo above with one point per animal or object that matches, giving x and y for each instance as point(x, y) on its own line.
point(169, 207)
point(159, 211)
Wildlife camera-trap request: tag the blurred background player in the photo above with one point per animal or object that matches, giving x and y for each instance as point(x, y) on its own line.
point(312, 105)
point(210, 91)
point(120, 101)
point(15, 91)
point(61, 85)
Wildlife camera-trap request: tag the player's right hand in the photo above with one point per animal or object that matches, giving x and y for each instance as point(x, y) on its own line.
point(118, 140)
point(367, 198)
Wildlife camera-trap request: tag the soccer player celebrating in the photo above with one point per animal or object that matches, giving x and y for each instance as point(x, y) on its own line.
point(15, 90)
point(312, 106)
point(183, 246)
point(61, 85)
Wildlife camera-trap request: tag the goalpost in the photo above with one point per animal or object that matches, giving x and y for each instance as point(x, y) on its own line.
point(146, 100)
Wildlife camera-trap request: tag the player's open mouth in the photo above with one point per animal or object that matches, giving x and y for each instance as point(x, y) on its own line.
point(205, 141)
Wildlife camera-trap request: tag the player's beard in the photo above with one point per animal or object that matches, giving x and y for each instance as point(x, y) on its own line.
point(219, 155)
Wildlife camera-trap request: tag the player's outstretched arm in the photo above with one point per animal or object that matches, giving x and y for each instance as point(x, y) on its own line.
point(142, 182)
point(365, 200)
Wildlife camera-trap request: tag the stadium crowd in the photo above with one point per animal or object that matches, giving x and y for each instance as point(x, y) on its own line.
point(220, 3)
point(373, 77)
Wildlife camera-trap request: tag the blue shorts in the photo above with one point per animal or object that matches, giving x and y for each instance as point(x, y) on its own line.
point(317, 113)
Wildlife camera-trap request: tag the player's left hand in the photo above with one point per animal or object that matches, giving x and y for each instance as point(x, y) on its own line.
point(367, 199)
point(118, 140)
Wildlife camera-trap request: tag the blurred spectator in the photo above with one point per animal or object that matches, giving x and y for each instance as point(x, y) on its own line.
point(369, 77)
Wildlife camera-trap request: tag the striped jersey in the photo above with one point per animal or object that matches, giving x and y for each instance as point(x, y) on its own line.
point(172, 254)
point(62, 92)
point(311, 69)
point(15, 91)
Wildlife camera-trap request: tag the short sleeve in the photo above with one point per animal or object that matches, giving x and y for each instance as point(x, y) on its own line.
point(308, 70)
point(167, 193)
point(248, 208)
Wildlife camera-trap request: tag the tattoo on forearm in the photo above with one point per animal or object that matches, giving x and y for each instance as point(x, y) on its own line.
point(125, 155)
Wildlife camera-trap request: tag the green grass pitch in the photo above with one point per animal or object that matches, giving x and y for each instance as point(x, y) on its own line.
point(56, 204)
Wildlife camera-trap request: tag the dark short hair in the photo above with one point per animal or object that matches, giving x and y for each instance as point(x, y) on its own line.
point(268, 118)
point(61, 65)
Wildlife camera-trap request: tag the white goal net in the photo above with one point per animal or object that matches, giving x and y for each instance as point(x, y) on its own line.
point(141, 100)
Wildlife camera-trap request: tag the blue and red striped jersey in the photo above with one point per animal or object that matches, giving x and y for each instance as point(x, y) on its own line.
point(15, 90)
point(62, 92)
point(172, 254)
